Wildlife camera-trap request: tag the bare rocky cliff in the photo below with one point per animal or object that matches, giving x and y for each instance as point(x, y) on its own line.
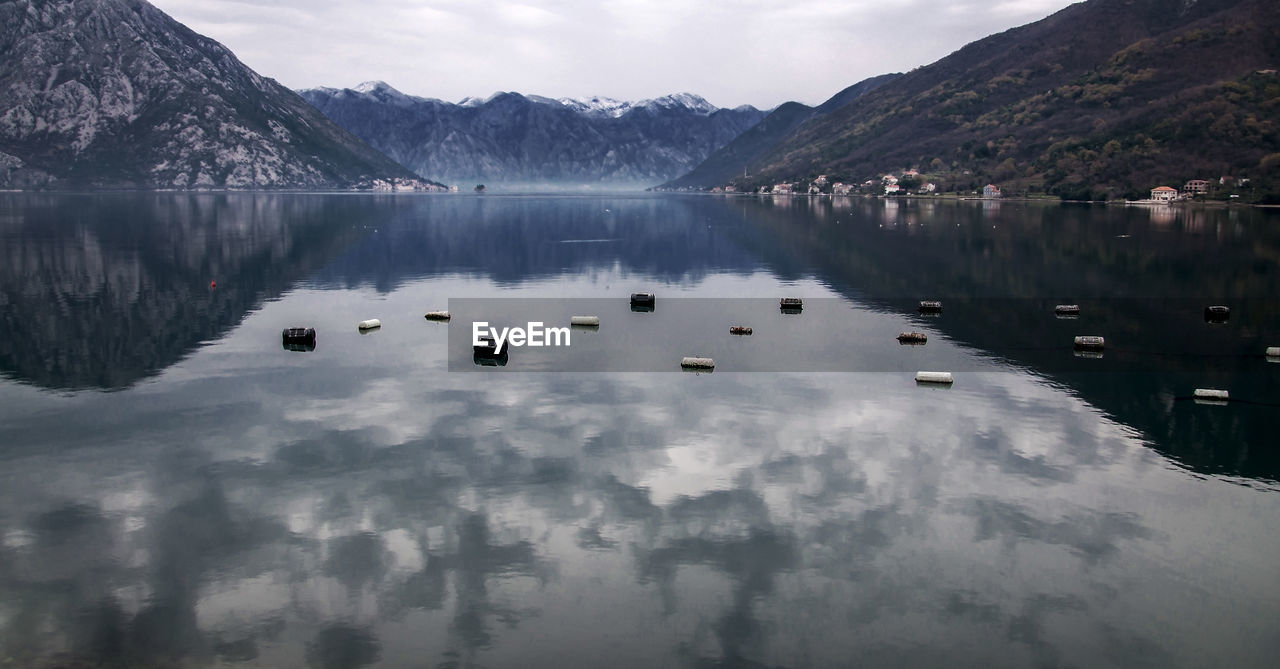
point(116, 94)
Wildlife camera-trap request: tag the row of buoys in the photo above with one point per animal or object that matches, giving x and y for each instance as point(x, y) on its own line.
point(303, 339)
point(1212, 314)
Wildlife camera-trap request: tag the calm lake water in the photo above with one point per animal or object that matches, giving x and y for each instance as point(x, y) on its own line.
point(178, 489)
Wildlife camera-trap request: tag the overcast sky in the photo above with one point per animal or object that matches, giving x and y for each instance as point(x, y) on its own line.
point(732, 52)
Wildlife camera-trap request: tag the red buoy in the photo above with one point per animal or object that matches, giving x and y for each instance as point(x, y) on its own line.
point(213, 284)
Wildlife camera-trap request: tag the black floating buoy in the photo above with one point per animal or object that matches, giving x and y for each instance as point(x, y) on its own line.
point(912, 338)
point(791, 305)
point(299, 339)
point(299, 335)
point(490, 360)
point(643, 299)
point(488, 347)
point(930, 307)
point(740, 330)
point(1217, 314)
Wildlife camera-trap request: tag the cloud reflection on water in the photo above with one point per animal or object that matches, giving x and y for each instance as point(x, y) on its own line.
point(359, 504)
point(501, 505)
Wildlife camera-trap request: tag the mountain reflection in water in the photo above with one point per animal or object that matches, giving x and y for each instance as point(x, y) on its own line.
point(358, 504)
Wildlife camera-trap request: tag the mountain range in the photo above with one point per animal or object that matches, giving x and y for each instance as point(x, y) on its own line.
point(528, 140)
point(116, 94)
point(1105, 98)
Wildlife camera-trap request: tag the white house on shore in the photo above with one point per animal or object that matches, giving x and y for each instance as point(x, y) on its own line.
point(891, 189)
point(991, 190)
point(1164, 194)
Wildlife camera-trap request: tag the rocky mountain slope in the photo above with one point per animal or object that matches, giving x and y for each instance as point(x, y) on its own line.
point(515, 139)
point(731, 160)
point(116, 94)
point(1105, 98)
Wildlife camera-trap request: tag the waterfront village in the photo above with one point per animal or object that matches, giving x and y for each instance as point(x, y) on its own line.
point(912, 182)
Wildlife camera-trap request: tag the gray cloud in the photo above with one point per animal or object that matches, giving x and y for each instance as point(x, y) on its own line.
point(730, 51)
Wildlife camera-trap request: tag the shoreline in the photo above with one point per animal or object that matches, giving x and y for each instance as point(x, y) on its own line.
point(954, 198)
point(868, 196)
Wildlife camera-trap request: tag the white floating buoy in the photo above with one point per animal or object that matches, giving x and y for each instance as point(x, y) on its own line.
point(930, 307)
point(1090, 343)
point(437, 316)
point(1067, 310)
point(697, 363)
point(370, 324)
point(912, 338)
point(585, 321)
point(934, 377)
point(1211, 394)
point(1273, 351)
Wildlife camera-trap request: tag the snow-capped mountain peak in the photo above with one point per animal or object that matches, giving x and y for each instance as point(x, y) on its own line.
point(381, 90)
point(473, 101)
point(597, 106)
point(373, 87)
point(600, 106)
point(687, 100)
